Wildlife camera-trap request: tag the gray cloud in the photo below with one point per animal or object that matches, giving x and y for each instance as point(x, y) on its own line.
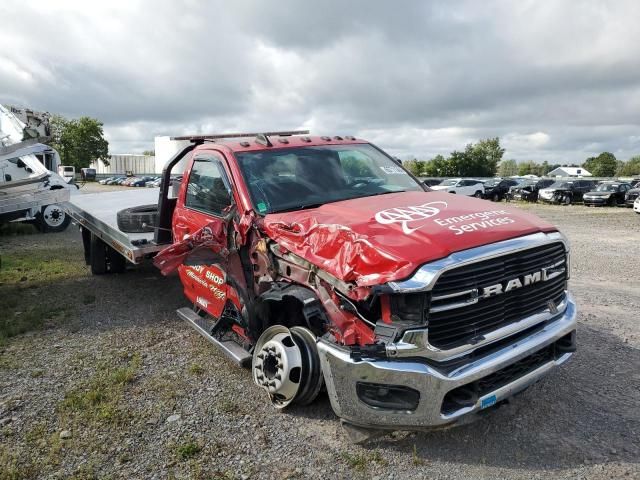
point(557, 81)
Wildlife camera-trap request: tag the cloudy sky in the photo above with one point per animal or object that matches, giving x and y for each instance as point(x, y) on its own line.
point(556, 81)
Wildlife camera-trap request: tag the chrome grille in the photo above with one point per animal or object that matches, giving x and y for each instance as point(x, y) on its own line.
point(458, 314)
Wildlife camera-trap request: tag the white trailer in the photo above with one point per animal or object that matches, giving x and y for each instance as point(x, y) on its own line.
point(30, 190)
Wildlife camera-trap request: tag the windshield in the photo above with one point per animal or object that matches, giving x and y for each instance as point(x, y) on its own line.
point(492, 183)
point(561, 185)
point(295, 178)
point(606, 187)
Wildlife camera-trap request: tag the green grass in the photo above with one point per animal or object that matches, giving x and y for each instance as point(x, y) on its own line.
point(99, 399)
point(33, 289)
point(361, 461)
point(195, 369)
point(187, 450)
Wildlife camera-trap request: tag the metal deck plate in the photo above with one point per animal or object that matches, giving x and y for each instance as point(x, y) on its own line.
point(98, 212)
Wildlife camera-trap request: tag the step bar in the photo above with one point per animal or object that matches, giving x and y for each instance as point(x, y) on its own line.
point(231, 349)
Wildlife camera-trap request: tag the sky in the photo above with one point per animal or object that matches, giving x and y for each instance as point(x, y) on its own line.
point(556, 81)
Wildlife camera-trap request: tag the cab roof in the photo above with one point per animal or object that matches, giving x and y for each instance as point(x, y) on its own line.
point(248, 142)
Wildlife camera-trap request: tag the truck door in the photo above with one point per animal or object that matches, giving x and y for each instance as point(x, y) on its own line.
point(205, 200)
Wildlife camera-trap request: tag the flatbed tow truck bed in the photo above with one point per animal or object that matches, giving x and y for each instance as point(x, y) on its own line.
point(97, 212)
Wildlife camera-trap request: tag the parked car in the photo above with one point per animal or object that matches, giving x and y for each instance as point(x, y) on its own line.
point(105, 180)
point(631, 195)
point(566, 191)
point(528, 190)
point(461, 186)
point(430, 182)
point(607, 193)
point(114, 180)
point(141, 182)
point(497, 188)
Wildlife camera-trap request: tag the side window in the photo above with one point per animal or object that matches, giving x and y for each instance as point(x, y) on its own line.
point(207, 188)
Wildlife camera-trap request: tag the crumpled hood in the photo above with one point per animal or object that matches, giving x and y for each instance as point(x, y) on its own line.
point(374, 240)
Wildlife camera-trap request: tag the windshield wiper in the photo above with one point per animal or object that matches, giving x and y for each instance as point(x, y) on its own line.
point(385, 193)
point(301, 207)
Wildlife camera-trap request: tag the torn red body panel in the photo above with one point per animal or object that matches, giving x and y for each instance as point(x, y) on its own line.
point(211, 236)
point(374, 240)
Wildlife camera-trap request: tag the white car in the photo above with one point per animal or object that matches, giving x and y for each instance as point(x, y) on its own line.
point(461, 186)
point(636, 205)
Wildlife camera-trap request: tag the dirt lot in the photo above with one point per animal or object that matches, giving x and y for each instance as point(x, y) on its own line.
point(105, 363)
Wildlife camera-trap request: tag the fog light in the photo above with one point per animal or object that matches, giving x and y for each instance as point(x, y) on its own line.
point(388, 397)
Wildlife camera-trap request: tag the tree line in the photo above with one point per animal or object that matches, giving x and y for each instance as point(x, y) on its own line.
point(484, 159)
point(79, 141)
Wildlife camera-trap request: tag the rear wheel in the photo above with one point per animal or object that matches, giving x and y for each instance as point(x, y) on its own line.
point(117, 263)
point(287, 366)
point(98, 256)
point(52, 218)
point(478, 194)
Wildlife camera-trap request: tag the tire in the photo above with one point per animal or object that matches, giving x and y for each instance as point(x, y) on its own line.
point(138, 219)
point(116, 262)
point(566, 200)
point(98, 256)
point(495, 197)
point(52, 219)
point(86, 243)
point(478, 194)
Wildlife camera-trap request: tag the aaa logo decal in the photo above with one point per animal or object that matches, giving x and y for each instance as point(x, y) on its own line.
point(409, 217)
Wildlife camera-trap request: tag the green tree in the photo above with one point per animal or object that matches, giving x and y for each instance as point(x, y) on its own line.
point(529, 168)
point(508, 168)
point(79, 141)
point(414, 166)
point(631, 168)
point(604, 165)
point(438, 166)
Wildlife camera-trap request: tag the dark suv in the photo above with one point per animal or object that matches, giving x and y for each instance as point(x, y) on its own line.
point(528, 191)
point(607, 193)
point(496, 189)
point(566, 191)
point(631, 195)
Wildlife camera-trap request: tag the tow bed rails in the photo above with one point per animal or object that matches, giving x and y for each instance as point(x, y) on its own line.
point(15, 202)
point(97, 212)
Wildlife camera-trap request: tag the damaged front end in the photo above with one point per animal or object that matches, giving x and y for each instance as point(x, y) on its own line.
point(460, 335)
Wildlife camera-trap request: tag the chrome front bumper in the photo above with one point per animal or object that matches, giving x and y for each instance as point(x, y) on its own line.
point(342, 373)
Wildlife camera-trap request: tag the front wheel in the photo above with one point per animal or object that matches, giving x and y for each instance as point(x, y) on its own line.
point(496, 197)
point(286, 364)
point(52, 218)
point(566, 200)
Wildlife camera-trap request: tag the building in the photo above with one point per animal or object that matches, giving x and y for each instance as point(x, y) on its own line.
point(126, 164)
point(569, 172)
point(165, 148)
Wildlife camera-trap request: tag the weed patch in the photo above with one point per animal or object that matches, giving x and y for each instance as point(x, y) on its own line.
point(99, 399)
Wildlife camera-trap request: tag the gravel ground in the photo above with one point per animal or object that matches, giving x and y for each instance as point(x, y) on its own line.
point(137, 394)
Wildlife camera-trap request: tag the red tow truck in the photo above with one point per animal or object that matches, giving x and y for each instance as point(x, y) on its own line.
point(320, 262)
